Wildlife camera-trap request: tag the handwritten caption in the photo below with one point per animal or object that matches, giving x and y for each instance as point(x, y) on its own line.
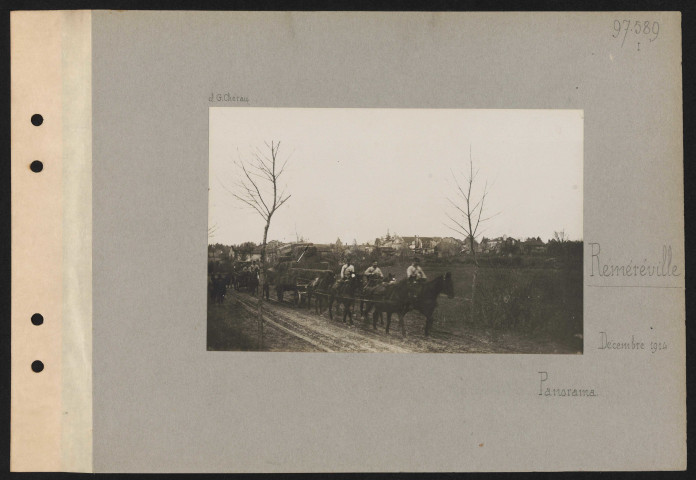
point(640, 30)
point(656, 266)
point(227, 97)
point(633, 344)
point(552, 389)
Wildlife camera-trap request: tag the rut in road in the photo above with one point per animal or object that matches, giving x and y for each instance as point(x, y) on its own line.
point(437, 342)
point(318, 332)
point(299, 325)
point(266, 318)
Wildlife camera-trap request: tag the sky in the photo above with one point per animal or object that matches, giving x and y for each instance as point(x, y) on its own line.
point(357, 173)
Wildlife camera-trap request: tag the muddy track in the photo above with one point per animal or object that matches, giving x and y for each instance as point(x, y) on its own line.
point(335, 336)
point(315, 330)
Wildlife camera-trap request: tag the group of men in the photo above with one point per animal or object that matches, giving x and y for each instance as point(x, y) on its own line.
point(254, 267)
point(414, 272)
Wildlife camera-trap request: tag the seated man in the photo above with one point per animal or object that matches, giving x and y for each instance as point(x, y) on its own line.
point(347, 270)
point(416, 277)
point(373, 274)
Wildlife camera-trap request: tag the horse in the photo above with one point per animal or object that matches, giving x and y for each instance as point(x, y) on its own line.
point(270, 279)
point(238, 280)
point(218, 287)
point(248, 281)
point(252, 283)
point(319, 287)
point(398, 300)
point(374, 291)
point(344, 291)
point(283, 278)
point(227, 281)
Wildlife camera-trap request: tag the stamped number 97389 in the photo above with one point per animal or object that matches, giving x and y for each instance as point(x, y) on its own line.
point(646, 29)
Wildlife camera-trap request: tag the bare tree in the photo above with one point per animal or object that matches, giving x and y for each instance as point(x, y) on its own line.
point(558, 245)
point(468, 215)
point(259, 190)
point(560, 236)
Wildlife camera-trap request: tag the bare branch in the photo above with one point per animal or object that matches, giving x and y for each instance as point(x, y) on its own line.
point(464, 229)
point(459, 188)
point(457, 207)
point(470, 209)
point(478, 216)
point(455, 230)
point(258, 186)
point(483, 231)
point(282, 201)
point(258, 192)
point(483, 196)
point(251, 204)
point(492, 216)
point(263, 172)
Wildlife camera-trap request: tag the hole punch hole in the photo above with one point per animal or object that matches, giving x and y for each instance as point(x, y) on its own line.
point(37, 366)
point(36, 119)
point(37, 319)
point(36, 166)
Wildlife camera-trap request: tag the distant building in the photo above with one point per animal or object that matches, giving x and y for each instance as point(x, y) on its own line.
point(393, 241)
point(533, 245)
point(421, 245)
point(448, 247)
point(418, 245)
point(215, 255)
point(367, 248)
point(386, 251)
point(478, 247)
point(510, 246)
point(273, 250)
point(255, 255)
point(500, 245)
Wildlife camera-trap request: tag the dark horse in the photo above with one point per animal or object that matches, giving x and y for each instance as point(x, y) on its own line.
point(270, 279)
point(248, 281)
point(375, 290)
point(217, 285)
point(397, 299)
point(344, 292)
point(319, 289)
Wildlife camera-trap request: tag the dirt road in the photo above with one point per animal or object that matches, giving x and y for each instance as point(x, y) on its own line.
point(298, 326)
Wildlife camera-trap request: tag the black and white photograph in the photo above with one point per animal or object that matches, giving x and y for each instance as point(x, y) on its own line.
point(395, 230)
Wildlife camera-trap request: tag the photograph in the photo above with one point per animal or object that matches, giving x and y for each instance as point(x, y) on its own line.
point(395, 230)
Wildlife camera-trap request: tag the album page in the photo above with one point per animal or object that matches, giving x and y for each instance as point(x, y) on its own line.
point(347, 242)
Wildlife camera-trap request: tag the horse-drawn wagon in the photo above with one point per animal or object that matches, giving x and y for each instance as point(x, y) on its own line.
point(299, 266)
point(287, 277)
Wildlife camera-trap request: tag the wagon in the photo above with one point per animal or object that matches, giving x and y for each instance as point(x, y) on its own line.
point(296, 280)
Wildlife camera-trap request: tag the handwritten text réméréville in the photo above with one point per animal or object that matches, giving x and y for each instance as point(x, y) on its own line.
point(658, 267)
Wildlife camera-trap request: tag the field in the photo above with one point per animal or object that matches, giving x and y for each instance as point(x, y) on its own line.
point(541, 297)
point(517, 309)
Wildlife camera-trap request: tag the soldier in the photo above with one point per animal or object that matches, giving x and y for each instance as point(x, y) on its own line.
point(347, 269)
point(416, 277)
point(414, 271)
point(373, 274)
